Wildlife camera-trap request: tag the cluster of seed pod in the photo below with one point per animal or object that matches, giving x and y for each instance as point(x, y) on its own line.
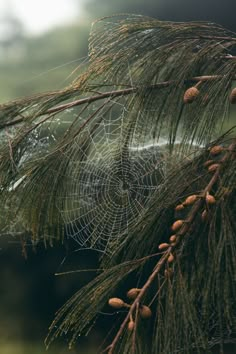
point(190, 200)
point(164, 246)
point(210, 200)
point(212, 166)
point(117, 303)
point(168, 246)
point(192, 93)
point(214, 163)
point(144, 312)
point(177, 225)
point(175, 228)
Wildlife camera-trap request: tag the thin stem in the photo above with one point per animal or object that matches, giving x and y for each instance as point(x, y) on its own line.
point(114, 93)
point(135, 328)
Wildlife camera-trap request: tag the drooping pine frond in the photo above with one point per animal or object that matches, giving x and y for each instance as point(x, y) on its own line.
point(191, 312)
point(131, 96)
point(110, 161)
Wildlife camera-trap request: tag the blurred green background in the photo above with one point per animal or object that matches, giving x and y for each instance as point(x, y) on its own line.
point(33, 61)
point(44, 60)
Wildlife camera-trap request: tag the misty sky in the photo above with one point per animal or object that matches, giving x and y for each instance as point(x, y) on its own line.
point(38, 16)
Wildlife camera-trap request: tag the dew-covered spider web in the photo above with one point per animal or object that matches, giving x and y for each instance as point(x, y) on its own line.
point(112, 175)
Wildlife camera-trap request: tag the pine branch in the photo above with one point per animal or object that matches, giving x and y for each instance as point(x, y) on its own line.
point(108, 94)
point(202, 198)
point(143, 69)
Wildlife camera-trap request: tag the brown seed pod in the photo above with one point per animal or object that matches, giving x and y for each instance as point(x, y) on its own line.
point(133, 293)
point(145, 311)
point(216, 150)
point(116, 303)
point(191, 199)
point(208, 163)
point(171, 258)
point(214, 167)
point(179, 207)
point(173, 238)
point(177, 225)
point(131, 325)
point(191, 94)
point(163, 246)
point(232, 96)
point(210, 199)
point(204, 215)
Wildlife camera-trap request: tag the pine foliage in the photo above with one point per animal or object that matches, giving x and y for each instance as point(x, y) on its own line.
point(147, 82)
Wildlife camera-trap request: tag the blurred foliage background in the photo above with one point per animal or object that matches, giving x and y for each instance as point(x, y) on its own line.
point(30, 64)
point(30, 292)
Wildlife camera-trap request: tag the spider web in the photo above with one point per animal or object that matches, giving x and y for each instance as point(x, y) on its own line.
point(110, 183)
